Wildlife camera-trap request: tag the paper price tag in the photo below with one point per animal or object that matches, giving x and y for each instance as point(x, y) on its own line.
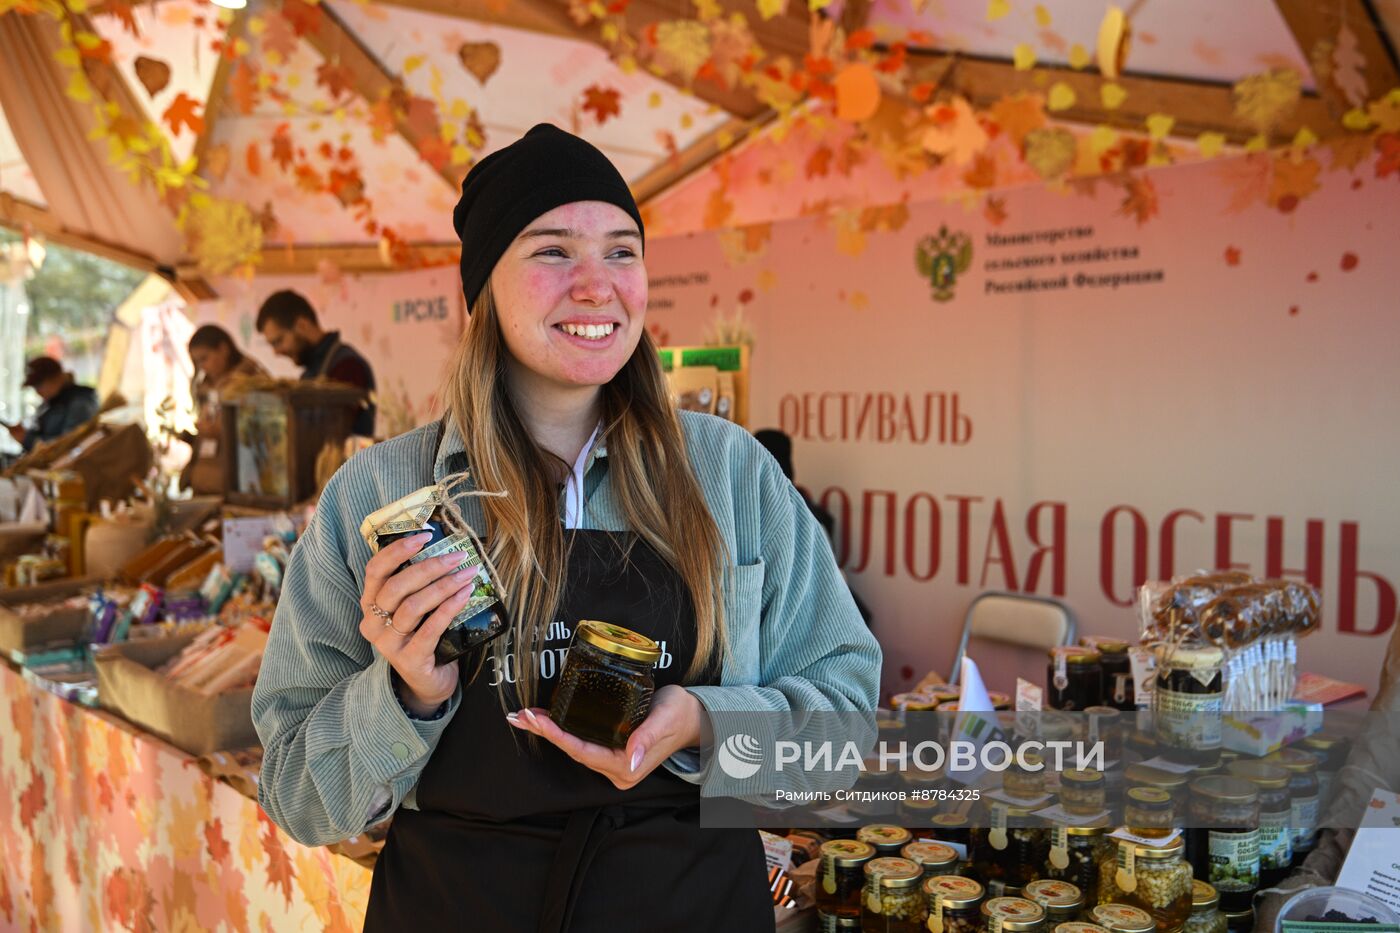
point(1059, 848)
point(997, 834)
point(935, 916)
point(1126, 877)
point(1143, 662)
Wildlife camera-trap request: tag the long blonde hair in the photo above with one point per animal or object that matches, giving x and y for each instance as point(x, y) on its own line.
point(651, 477)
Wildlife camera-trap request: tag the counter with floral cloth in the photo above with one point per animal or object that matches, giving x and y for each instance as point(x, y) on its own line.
point(103, 827)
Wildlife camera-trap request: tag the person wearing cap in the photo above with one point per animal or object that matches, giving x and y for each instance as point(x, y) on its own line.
point(598, 500)
point(288, 322)
point(66, 405)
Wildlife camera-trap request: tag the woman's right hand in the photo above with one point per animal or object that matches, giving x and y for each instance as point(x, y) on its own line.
point(422, 600)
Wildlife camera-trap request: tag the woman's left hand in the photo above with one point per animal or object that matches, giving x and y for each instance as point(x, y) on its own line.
point(676, 721)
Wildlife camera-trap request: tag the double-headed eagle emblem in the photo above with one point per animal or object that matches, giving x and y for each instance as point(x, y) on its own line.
point(943, 257)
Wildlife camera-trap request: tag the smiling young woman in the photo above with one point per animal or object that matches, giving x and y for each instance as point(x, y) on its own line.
point(603, 503)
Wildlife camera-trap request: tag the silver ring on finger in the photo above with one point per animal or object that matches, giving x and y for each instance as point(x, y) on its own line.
point(386, 617)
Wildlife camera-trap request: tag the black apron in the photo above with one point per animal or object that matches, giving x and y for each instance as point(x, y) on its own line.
point(509, 838)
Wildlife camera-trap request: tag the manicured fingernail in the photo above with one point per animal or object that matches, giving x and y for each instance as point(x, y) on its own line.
point(637, 757)
point(447, 560)
point(464, 573)
point(419, 540)
point(513, 719)
point(530, 716)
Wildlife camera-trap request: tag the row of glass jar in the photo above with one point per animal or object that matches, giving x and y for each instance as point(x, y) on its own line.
point(897, 896)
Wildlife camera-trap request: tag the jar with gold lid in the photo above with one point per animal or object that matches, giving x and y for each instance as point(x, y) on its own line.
point(1123, 918)
point(953, 828)
point(935, 858)
point(1012, 914)
point(1305, 796)
point(1331, 752)
point(1205, 910)
point(837, 923)
point(1073, 678)
point(606, 685)
point(1275, 811)
point(1082, 791)
point(1079, 926)
point(1060, 900)
point(1074, 856)
point(1223, 838)
point(954, 904)
point(1025, 778)
point(1186, 703)
point(886, 838)
point(1175, 784)
point(841, 876)
point(1147, 812)
point(893, 899)
point(1156, 879)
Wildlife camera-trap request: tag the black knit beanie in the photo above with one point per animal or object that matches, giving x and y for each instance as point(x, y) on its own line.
point(544, 169)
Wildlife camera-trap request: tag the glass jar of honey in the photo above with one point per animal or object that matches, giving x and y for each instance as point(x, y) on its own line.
point(1156, 879)
point(1074, 856)
point(606, 685)
point(887, 839)
point(1205, 910)
point(935, 858)
point(1275, 811)
point(1305, 796)
point(1223, 838)
point(1061, 900)
point(1148, 812)
point(841, 876)
point(1082, 791)
point(1012, 913)
point(1186, 704)
point(954, 904)
point(893, 900)
point(1073, 678)
point(1123, 918)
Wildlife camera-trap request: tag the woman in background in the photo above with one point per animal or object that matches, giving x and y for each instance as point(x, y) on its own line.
point(218, 364)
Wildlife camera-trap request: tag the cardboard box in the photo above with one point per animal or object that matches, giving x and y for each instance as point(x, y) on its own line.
point(129, 685)
point(1260, 734)
point(23, 633)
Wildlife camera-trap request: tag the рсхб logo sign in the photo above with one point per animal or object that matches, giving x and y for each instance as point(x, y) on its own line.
point(421, 309)
point(943, 257)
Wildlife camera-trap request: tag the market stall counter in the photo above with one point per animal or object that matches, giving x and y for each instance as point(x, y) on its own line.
point(106, 827)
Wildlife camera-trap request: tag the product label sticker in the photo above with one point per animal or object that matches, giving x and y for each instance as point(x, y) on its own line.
point(1143, 662)
point(1126, 836)
point(1126, 877)
point(1234, 860)
point(1174, 767)
point(1303, 821)
point(1189, 720)
point(1058, 814)
point(1275, 840)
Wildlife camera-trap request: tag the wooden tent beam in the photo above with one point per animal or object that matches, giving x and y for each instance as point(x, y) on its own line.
point(337, 44)
point(1317, 27)
point(22, 216)
point(697, 156)
point(1197, 107)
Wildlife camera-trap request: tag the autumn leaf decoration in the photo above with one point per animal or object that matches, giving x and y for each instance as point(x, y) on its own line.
point(602, 102)
point(181, 113)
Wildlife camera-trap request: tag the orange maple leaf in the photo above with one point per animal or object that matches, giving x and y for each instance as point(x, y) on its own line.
point(1232, 255)
point(1389, 159)
point(253, 158)
point(214, 838)
point(435, 151)
point(243, 86)
point(304, 17)
point(336, 79)
point(282, 146)
point(819, 162)
point(280, 36)
point(1139, 199)
point(603, 102)
point(994, 210)
point(860, 39)
point(1292, 181)
point(122, 11)
point(279, 867)
point(983, 173)
point(181, 113)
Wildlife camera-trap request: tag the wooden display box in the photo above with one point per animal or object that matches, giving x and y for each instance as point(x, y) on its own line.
point(273, 436)
point(24, 633)
point(103, 467)
point(197, 723)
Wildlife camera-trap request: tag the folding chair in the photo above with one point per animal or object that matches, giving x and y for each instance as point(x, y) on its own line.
point(1017, 620)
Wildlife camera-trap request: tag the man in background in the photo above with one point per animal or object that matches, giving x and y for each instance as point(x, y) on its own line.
point(66, 405)
point(288, 322)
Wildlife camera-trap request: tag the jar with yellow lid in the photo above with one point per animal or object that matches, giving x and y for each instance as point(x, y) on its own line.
point(1117, 672)
point(955, 828)
point(841, 876)
point(1123, 918)
point(954, 904)
point(1010, 850)
point(913, 703)
point(1205, 910)
point(1305, 797)
point(1147, 812)
point(1073, 678)
point(886, 838)
point(1275, 811)
point(1025, 778)
point(1060, 900)
point(1177, 785)
point(920, 803)
point(1082, 791)
point(881, 780)
point(1105, 724)
point(837, 923)
point(1224, 837)
point(1012, 913)
point(1156, 879)
point(935, 858)
point(1186, 703)
point(1074, 856)
point(1331, 752)
point(606, 685)
point(893, 900)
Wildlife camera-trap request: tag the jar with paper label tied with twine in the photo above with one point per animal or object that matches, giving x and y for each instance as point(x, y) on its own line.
point(1187, 701)
point(954, 904)
point(893, 899)
point(429, 509)
point(841, 876)
point(1011, 849)
point(1074, 856)
point(1008, 914)
point(1156, 879)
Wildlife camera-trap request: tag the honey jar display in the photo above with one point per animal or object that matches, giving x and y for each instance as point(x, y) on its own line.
point(1275, 811)
point(841, 876)
point(1074, 856)
point(1205, 910)
point(893, 900)
point(1073, 678)
point(954, 904)
point(1012, 913)
point(1156, 879)
point(1223, 840)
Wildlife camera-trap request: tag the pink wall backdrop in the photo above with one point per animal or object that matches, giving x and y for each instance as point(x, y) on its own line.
point(1128, 379)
